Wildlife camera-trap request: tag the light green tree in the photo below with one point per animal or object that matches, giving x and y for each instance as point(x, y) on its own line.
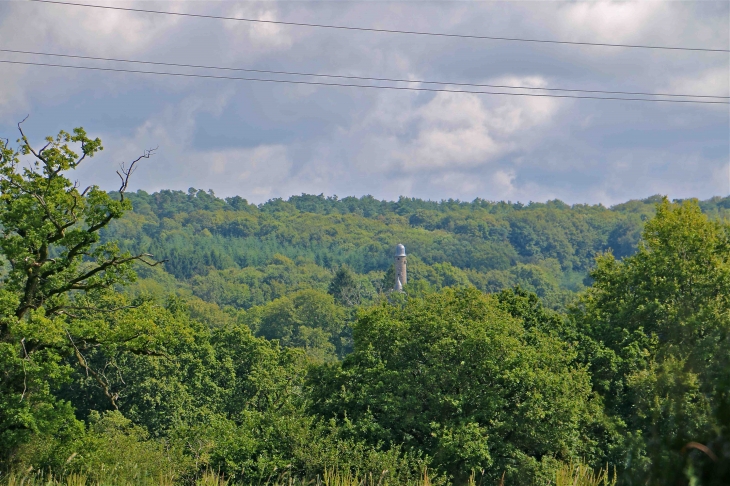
point(659, 323)
point(57, 297)
point(308, 319)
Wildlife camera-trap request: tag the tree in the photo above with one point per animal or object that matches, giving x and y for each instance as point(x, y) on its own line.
point(388, 279)
point(56, 290)
point(624, 238)
point(456, 377)
point(528, 307)
point(661, 346)
point(344, 287)
point(308, 319)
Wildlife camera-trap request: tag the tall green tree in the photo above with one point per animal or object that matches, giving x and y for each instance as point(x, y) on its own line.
point(344, 287)
point(56, 288)
point(659, 322)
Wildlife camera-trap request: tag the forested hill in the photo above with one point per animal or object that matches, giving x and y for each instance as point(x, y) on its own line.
point(233, 253)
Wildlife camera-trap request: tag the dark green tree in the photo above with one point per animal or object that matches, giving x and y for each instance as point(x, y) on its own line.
point(456, 377)
point(344, 287)
point(388, 279)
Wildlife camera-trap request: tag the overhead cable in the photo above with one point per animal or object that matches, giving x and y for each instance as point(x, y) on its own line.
point(363, 78)
point(386, 31)
point(368, 86)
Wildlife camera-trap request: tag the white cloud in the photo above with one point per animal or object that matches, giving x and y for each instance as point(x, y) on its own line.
point(259, 171)
point(453, 131)
point(457, 130)
point(504, 182)
point(608, 21)
point(259, 37)
point(86, 30)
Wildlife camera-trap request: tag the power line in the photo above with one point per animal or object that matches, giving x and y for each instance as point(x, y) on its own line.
point(363, 78)
point(387, 31)
point(370, 86)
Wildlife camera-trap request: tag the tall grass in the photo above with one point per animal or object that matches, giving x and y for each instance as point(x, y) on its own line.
point(572, 474)
point(328, 478)
point(210, 478)
point(577, 474)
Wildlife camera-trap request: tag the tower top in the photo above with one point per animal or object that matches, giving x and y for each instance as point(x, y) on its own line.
point(400, 250)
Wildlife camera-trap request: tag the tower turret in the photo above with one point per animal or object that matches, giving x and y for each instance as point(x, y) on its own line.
point(401, 277)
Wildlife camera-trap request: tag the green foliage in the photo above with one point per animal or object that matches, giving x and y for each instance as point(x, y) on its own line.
point(112, 449)
point(459, 378)
point(660, 328)
point(256, 446)
point(307, 319)
point(56, 285)
point(345, 288)
point(234, 253)
point(269, 350)
point(49, 226)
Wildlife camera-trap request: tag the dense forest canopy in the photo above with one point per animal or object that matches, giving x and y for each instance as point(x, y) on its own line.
point(182, 338)
point(239, 254)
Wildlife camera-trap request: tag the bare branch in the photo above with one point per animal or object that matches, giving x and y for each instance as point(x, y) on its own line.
point(27, 143)
point(73, 252)
point(152, 264)
point(76, 283)
point(78, 162)
point(45, 147)
point(72, 211)
point(126, 173)
point(700, 447)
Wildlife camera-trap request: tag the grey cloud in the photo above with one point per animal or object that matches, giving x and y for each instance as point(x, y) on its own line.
point(262, 140)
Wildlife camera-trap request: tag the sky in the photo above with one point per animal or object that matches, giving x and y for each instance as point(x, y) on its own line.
point(267, 140)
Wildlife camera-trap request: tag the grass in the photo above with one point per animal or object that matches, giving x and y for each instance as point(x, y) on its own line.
point(209, 478)
point(577, 474)
point(572, 474)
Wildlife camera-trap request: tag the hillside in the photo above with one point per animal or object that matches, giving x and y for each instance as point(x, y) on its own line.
point(232, 253)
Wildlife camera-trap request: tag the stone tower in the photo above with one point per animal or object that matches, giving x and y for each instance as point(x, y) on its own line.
point(401, 277)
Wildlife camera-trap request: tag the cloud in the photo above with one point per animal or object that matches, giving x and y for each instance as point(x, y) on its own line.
point(264, 140)
point(258, 171)
point(453, 131)
point(712, 82)
point(456, 130)
point(261, 36)
point(608, 21)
